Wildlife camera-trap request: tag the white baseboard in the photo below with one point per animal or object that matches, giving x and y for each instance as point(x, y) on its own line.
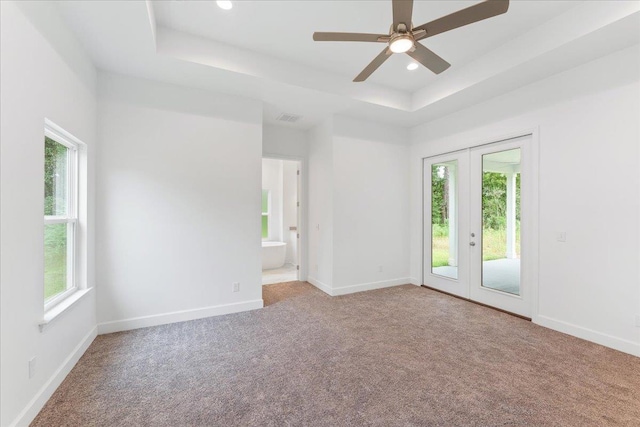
point(415, 281)
point(606, 340)
point(318, 284)
point(177, 316)
point(344, 290)
point(361, 287)
point(44, 394)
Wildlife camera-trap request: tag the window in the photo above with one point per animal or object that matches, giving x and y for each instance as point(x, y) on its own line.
point(60, 215)
point(265, 214)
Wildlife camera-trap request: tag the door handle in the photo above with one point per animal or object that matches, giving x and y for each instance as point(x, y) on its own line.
point(472, 243)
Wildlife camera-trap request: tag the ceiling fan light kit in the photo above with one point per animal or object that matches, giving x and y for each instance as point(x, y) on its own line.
point(403, 37)
point(401, 43)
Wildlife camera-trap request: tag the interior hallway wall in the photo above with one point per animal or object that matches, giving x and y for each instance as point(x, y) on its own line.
point(290, 209)
point(371, 205)
point(320, 206)
point(359, 210)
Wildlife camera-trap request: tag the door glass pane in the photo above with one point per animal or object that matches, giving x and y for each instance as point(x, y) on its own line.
point(56, 182)
point(501, 221)
point(55, 259)
point(444, 219)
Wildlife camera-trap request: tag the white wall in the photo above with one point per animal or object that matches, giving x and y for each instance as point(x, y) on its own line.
point(272, 176)
point(589, 139)
point(359, 210)
point(179, 210)
point(284, 141)
point(320, 204)
point(44, 73)
point(289, 208)
point(371, 205)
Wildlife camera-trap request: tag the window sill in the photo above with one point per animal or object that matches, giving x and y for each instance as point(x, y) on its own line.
point(60, 308)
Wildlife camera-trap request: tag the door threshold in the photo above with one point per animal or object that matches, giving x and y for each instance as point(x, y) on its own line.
point(478, 303)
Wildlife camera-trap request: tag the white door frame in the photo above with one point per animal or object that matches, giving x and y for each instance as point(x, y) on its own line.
point(530, 273)
point(302, 210)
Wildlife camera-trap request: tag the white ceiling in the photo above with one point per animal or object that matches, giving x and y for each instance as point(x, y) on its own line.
point(264, 50)
point(283, 29)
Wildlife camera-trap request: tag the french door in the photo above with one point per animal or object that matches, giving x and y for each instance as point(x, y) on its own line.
point(476, 219)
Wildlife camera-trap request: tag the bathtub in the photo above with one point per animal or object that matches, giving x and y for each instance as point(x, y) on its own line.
point(273, 254)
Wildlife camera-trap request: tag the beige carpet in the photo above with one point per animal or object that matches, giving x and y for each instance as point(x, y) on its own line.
point(403, 356)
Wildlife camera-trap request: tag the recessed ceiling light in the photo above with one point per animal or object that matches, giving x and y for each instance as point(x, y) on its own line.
point(226, 5)
point(412, 66)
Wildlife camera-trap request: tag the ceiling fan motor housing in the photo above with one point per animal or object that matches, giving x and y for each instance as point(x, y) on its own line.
point(402, 29)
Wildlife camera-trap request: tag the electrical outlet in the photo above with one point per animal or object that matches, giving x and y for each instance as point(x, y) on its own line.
point(236, 287)
point(561, 236)
point(380, 269)
point(32, 367)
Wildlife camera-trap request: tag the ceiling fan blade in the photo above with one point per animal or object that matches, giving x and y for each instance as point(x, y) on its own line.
point(429, 59)
point(373, 65)
point(348, 37)
point(402, 11)
point(475, 13)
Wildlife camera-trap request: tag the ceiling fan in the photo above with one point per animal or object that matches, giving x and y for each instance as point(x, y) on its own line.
point(403, 37)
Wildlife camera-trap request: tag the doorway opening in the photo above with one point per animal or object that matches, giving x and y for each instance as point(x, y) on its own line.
point(280, 221)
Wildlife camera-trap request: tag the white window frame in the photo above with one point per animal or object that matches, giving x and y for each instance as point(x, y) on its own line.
point(64, 138)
